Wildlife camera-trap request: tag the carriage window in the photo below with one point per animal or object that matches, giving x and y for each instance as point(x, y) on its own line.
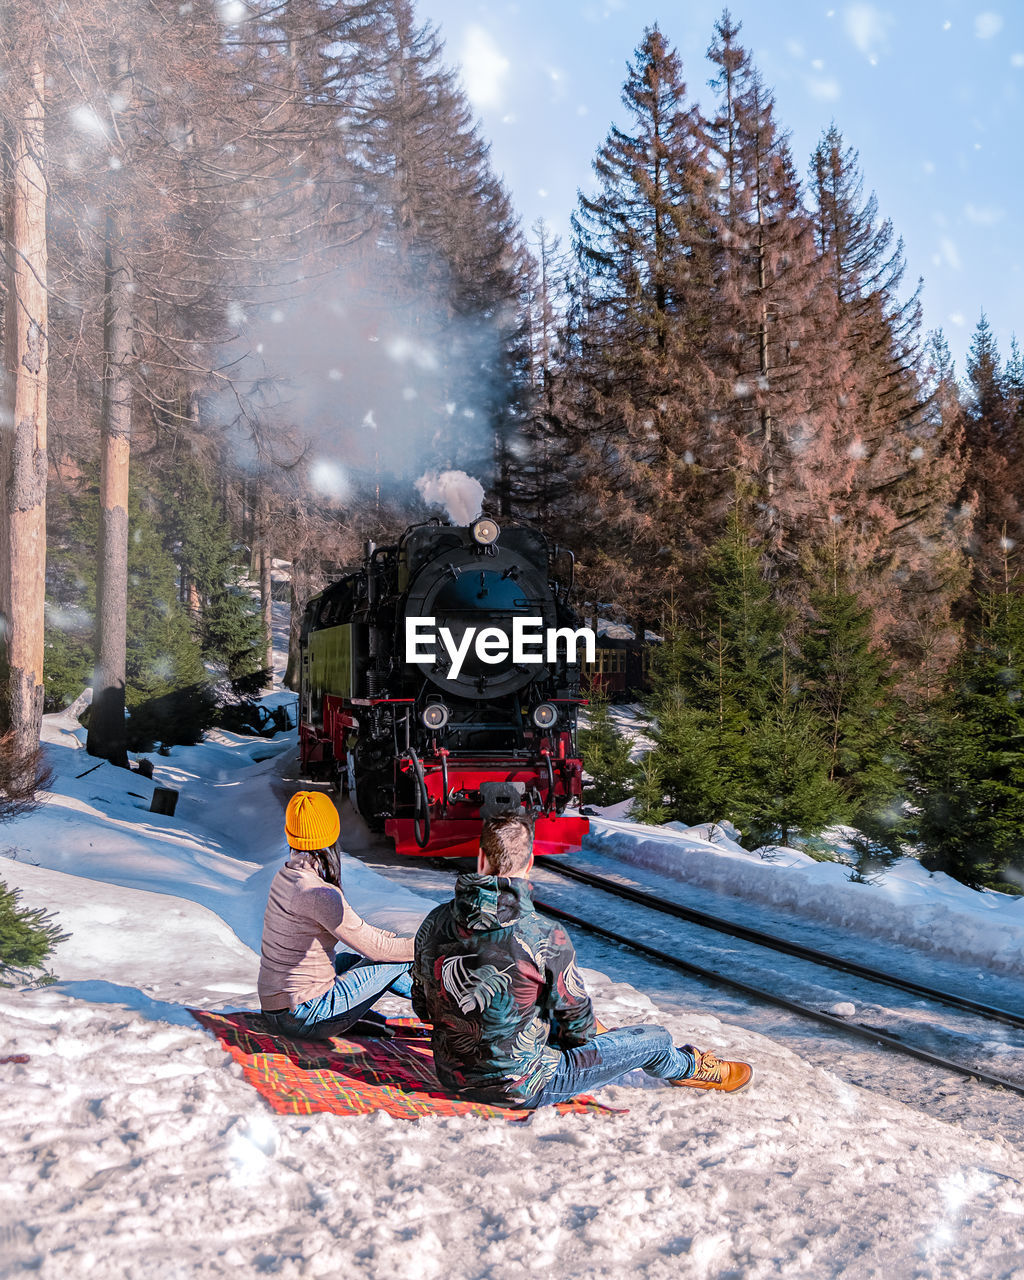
point(609, 662)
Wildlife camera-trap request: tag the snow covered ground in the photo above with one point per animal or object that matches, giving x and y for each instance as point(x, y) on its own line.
point(131, 1146)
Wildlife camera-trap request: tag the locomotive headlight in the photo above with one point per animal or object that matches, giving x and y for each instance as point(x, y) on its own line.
point(545, 715)
point(435, 716)
point(485, 532)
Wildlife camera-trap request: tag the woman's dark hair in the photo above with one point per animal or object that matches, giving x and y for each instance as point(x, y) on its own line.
point(327, 864)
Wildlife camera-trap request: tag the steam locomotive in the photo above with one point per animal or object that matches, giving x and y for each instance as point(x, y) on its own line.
point(431, 691)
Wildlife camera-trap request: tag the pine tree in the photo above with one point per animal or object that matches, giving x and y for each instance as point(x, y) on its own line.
point(788, 786)
point(25, 334)
point(226, 617)
point(442, 271)
point(539, 479)
point(995, 468)
point(701, 761)
point(714, 680)
point(898, 457)
point(160, 655)
point(737, 738)
point(731, 661)
point(649, 793)
point(968, 769)
point(27, 936)
point(776, 394)
point(637, 385)
point(847, 682)
point(605, 754)
point(138, 256)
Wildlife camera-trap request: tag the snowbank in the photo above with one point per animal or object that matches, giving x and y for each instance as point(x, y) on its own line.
point(926, 910)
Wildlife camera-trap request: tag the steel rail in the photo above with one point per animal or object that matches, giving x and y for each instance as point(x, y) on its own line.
point(793, 1006)
point(795, 949)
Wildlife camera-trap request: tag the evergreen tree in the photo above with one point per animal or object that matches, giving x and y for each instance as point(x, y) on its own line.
point(161, 655)
point(701, 762)
point(444, 266)
point(736, 738)
point(878, 843)
point(1013, 380)
point(27, 936)
point(846, 681)
point(636, 411)
point(649, 793)
point(714, 680)
point(539, 479)
point(70, 596)
point(776, 394)
point(788, 787)
point(605, 754)
point(995, 463)
point(968, 770)
point(897, 457)
point(24, 338)
point(732, 658)
point(226, 617)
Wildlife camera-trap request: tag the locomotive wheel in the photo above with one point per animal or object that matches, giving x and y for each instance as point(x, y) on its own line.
point(366, 803)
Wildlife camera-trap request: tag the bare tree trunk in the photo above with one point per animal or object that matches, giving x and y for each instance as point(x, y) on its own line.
point(267, 602)
point(291, 675)
point(260, 565)
point(23, 460)
point(106, 719)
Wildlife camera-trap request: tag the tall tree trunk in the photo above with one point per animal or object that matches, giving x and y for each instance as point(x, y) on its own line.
point(267, 604)
point(260, 564)
point(299, 590)
point(23, 461)
point(106, 719)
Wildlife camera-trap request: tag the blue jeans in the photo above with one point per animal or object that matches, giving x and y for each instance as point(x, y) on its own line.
point(359, 984)
point(612, 1054)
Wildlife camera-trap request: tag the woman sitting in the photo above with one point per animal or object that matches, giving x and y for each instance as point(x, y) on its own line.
point(305, 990)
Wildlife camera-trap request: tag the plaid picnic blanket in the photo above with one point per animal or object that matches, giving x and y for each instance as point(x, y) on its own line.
point(353, 1076)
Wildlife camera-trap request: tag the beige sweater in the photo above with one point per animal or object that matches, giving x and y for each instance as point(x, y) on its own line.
point(306, 917)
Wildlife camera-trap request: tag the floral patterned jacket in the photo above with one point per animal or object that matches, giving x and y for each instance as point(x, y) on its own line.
point(502, 990)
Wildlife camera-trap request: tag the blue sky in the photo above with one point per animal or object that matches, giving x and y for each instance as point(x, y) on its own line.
point(930, 94)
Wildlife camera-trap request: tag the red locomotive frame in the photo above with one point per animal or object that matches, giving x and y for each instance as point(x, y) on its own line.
point(452, 788)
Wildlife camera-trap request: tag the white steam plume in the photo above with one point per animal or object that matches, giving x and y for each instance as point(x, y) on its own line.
point(460, 495)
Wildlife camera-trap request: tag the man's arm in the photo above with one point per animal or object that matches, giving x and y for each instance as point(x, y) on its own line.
point(419, 995)
point(569, 1007)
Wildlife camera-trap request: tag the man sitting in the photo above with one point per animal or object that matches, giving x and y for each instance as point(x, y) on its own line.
point(512, 1021)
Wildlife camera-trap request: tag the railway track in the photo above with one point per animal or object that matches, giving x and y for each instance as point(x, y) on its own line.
point(987, 1014)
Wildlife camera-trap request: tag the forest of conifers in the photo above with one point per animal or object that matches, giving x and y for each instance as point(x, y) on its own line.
point(259, 278)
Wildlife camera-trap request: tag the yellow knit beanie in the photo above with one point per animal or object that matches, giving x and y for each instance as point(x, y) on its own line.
point(311, 821)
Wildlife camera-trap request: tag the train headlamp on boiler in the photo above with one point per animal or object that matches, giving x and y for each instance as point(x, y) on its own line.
point(484, 532)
